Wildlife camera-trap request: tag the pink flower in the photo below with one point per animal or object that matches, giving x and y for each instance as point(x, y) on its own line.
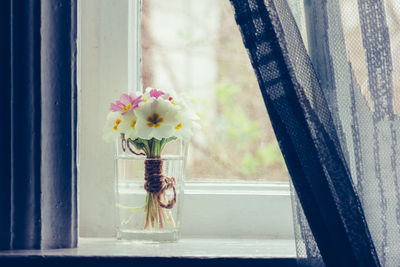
point(156, 93)
point(126, 103)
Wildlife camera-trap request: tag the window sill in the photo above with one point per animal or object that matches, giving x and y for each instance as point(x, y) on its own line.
point(229, 209)
point(187, 251)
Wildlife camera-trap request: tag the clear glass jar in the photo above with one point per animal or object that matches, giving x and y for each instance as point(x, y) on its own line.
point(149, 192)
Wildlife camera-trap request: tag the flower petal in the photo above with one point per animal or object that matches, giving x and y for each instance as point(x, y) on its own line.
point(114, 107)
point(125, 99)
point(132, 97)
point(156, 93)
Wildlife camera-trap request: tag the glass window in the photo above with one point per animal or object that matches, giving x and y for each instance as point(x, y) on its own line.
point(195, 47)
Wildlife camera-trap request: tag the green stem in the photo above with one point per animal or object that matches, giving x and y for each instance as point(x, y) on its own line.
point(155, 148)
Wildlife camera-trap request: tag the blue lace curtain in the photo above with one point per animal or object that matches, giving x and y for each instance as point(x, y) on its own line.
point(330, 80)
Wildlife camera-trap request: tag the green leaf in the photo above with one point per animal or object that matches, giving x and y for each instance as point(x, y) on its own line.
point(140, 144)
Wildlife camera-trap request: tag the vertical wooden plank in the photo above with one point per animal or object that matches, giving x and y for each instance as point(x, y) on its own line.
point(5, 132)
point(58, 131)
point(38, 202)
point(25, 124)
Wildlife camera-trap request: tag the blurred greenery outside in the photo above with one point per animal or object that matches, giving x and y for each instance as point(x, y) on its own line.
point(236, 141)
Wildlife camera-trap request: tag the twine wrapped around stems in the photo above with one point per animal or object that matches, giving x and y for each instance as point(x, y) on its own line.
point(156, 182)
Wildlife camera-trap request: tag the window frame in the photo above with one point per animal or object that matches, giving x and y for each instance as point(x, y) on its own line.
point(273, 220)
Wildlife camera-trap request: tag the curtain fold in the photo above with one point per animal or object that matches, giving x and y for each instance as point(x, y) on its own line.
point(353, 45)
point(308, 128)
point(38, 138)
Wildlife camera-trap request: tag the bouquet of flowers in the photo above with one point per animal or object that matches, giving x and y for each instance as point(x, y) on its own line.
point(146, 122)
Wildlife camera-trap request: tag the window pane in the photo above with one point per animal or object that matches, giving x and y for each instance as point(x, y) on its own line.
point(195, 47)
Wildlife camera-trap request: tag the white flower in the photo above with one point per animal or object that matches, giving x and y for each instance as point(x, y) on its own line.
point(156, 118)
point(112, 126)
point(185, 124)
point(128, 125)
point(158, 114)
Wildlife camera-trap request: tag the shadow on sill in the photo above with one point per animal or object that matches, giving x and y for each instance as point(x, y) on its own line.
point(140, 261)
point(186, 252)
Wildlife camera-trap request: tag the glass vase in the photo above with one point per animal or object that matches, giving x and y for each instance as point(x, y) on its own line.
point(149, 192)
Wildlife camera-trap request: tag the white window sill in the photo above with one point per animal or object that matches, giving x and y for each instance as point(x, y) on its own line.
point(255, 210)
point(235, 209)
point(184, 248)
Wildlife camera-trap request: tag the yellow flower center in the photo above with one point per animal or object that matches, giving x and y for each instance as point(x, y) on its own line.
point(154, 120)
point(173, 102)
point(133, 124)
point(179, 126)
point(126, 107)
point(117, 122)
